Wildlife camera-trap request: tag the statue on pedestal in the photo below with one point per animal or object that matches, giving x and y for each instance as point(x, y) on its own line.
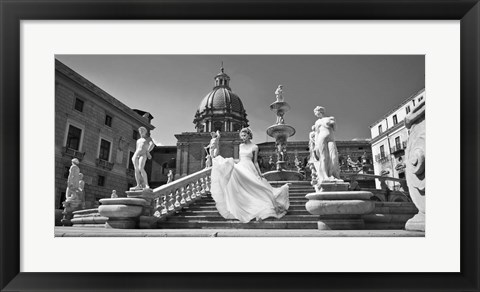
point(279, 93)
point(142, 153)
point(170, 176)
point(213, 148)
point(74, 198)
point(325, 154)
point(73, 181)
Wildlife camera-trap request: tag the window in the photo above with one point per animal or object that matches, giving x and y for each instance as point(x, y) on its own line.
point(382, 152)
point(135, 135)
point(79, 104)
point(101, 180)
point(130, 163)
point(104, 150)
point(73, 138)
point(380, 129)
point(413, 102)
point(397, 143)
point(420, 98)
point(395, 120)
point(108, 120)
point(407, 109)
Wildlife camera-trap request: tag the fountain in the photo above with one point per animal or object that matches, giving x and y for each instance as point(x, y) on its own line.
point(280, 132)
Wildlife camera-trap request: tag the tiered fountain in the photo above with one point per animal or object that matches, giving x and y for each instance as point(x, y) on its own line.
point(280, 132)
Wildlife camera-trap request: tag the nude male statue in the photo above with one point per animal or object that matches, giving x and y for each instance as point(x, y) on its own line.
point(142, 153)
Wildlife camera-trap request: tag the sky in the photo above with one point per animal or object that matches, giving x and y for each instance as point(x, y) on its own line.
point(355, 89)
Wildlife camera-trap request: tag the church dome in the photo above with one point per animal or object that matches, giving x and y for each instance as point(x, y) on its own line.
point(221, 98)
point(221, 109)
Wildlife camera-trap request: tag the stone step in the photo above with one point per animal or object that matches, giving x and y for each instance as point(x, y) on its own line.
point(212, 207)
point(387, 218)
point(210, 212)
point(238, 225)
point(201, 218)
point(396, 210)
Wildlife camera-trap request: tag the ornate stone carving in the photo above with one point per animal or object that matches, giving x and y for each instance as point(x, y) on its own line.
point(415, 165)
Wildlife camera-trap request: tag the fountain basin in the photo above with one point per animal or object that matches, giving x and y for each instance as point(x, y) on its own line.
point(283, 175)
point(280, 130)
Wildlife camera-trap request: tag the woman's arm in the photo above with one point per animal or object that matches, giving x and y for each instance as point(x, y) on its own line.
point(255, 162)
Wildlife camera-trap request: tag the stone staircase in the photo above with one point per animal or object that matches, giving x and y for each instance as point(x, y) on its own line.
point(203, 214)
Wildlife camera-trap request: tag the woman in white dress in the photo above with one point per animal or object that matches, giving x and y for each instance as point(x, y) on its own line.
point(239, 189)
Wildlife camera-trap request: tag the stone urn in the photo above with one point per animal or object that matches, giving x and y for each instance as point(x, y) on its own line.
point(415, 165)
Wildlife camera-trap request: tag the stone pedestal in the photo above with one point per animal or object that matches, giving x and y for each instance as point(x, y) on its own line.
point(122, 213)
point(339, 209)
point(70, 206)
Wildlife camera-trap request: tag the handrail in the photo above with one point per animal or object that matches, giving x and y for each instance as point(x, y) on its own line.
point(178, 194)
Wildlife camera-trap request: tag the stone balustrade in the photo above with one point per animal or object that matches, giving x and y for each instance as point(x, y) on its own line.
point(169, 198)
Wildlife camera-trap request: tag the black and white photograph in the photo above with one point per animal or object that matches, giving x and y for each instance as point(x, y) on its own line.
point(240, 145)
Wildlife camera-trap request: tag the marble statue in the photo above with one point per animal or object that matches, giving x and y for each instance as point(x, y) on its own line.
point(81, 188)
point(170, 176)
point(279, 93)
point(325, 154)
point(213, 148)
point(311, 144)
point(114, 194)
point(208, 161)
point(73, 181)
point(271, 163)
point(281, 151)
point(298, 164)
point(142, 153)
point(415, 165)
point(74, 197)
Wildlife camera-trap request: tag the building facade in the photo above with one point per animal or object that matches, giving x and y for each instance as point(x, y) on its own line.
point(389, 140)
point(99, 131)
point(221, 109)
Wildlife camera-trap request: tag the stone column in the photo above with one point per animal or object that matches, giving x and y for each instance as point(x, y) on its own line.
point(178, 165)
point(184, 160)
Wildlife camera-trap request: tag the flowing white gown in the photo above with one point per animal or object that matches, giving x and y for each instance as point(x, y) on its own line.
point(241, 194)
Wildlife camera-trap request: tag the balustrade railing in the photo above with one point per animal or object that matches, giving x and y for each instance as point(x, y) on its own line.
point(171, 197)
point(73, 153)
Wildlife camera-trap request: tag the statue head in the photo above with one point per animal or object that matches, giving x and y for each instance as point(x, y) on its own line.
point(247, 132)
point(319, 111)
point(143, 131)
point(75, 161)
point(215, 134)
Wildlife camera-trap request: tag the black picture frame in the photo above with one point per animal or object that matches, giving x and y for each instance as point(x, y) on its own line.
point(12, 12)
